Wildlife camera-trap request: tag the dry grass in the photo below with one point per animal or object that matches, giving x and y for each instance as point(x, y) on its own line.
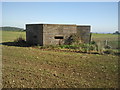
point(33, 68)
point(27, 67)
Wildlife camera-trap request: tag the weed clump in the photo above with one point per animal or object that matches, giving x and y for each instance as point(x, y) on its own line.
point(73, 39)
point(20, 42)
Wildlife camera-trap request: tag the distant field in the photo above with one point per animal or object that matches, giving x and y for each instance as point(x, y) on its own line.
point(9, 36)
point(112, 39)
point(102, 37)
point(28, 67)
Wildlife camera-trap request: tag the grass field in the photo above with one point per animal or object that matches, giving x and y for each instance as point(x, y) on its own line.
point(112, 39)
point(28, 67)
point(10, 36)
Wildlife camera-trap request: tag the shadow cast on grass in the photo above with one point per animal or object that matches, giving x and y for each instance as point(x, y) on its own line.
point(17, 44)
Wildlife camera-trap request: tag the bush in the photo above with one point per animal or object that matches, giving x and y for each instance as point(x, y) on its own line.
point(93, 42)
point(20, 40)
point(73, 39)
point(92, 47)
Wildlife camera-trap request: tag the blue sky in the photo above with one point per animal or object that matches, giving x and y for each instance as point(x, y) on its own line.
point(102, 16)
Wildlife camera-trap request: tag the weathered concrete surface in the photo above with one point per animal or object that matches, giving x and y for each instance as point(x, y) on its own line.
point(84, 32)
point(50, 31)
point(55, 34)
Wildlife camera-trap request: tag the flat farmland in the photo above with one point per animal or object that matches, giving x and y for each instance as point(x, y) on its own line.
point(28, 67)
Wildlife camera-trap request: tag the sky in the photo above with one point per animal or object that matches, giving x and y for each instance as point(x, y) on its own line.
point(102, 16)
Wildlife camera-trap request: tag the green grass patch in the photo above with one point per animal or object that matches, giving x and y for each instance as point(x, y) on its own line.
point(112, 39)
point(9, 36)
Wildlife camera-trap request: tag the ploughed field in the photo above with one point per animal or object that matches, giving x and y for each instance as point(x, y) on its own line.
point(29, 67)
